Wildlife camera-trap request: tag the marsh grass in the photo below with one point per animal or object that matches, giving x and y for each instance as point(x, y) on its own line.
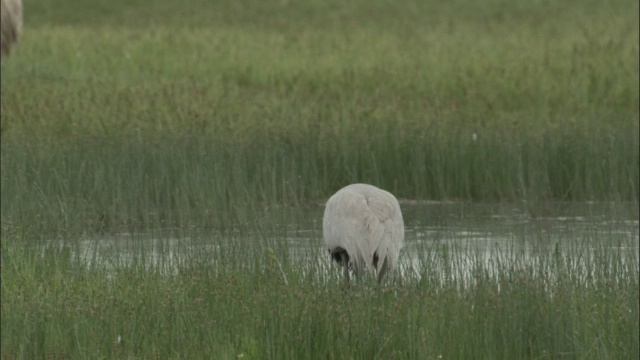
point(242, 298)
point(127, 183)
point(153, 119)
point(204, 117)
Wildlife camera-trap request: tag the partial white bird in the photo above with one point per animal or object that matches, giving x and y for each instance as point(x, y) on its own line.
point(363, 227)
point(11, 25)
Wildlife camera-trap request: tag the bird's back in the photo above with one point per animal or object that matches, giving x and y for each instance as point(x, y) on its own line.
point(367, 223)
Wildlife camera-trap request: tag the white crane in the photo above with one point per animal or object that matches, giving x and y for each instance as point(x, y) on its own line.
point(11, 24)
point(363, 227)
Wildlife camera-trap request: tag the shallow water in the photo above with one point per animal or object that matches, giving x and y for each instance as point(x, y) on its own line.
point(466, 233)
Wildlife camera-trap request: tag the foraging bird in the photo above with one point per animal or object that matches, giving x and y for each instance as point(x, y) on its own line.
point(363, 227)
point(11, 24)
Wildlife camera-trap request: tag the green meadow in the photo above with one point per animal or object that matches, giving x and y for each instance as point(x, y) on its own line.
point(204, 116)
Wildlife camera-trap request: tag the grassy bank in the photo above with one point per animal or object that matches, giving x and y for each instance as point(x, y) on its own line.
point(243, 300)
point(262, 103)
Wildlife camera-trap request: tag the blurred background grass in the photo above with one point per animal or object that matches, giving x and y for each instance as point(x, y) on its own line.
point(146, 113)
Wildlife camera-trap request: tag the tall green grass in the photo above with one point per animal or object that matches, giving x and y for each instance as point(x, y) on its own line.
point(136, 116)
point(167, 112)
point(132, 184)
point(201, 117)
point(241, 299)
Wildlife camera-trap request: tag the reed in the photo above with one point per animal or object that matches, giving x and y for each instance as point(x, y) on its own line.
point(128, 183)
point(131, 126)
point(576, 298)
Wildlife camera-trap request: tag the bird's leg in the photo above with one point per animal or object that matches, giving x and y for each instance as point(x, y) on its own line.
point(382, 271)
point(344, 259)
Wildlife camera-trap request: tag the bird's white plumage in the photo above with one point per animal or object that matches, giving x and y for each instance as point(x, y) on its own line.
point(11, 25)
point(366, 222)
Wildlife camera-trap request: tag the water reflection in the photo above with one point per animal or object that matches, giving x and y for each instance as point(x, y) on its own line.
point(437, 236)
